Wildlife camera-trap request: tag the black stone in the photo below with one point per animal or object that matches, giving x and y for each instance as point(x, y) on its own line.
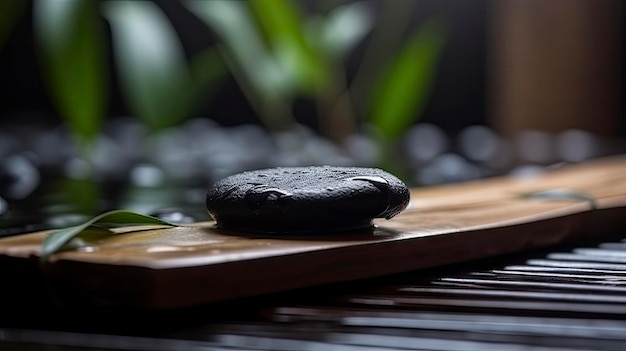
point(306, 199)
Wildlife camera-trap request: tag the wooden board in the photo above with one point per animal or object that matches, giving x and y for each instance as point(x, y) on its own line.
point(197, 264)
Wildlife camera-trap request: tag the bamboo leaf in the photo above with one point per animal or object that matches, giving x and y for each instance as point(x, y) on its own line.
point(69, 36)
point(268, 85)
point(342, 29)
point(97, 227)
point(404, 87)
point(282, 24)
point(234, 23)
point(207, 69)
point(151, 61)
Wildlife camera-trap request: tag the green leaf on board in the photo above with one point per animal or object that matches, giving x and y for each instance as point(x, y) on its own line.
point(562, 194)
point(69, 35)
point(403, 89)
point(152, 66)
point(96, 228)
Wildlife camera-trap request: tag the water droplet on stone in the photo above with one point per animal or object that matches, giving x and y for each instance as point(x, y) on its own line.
point(261, 193)
point(379, 182)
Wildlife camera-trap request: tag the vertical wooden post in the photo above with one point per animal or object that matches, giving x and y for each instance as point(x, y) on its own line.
point(556, 64)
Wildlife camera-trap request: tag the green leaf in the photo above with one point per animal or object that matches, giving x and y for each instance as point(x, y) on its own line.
point(151, 62)
point(95, 228)
point(268, 85)
point(207, 69)
point(282, 23)
point(404, 87)
point(69, 37)
point(342, 29)
point(234, 23)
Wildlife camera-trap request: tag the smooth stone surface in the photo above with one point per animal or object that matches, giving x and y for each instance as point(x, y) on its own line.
point(306, 199)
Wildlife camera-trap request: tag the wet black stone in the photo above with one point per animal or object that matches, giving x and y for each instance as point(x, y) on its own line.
point(306, 199)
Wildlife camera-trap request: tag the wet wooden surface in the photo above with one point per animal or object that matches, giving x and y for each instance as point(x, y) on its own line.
point(196, 264)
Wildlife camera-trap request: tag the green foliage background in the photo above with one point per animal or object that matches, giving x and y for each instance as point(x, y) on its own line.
point(276, 51)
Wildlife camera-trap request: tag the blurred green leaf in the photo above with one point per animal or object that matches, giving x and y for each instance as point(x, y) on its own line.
point(404, 87)
point(96, 228)
point(268, 85)
point(10, 13)
point(233, 23)
point(283, 25)
point(69, 36)
point(80, 196)
point(151, 61)
point(206, 67)
point(342, 29)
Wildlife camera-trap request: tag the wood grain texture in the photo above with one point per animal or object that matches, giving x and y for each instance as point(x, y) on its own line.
point(196, 264)
point(545, 56)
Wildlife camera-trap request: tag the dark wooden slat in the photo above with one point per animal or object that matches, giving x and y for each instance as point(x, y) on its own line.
point(197, 264)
